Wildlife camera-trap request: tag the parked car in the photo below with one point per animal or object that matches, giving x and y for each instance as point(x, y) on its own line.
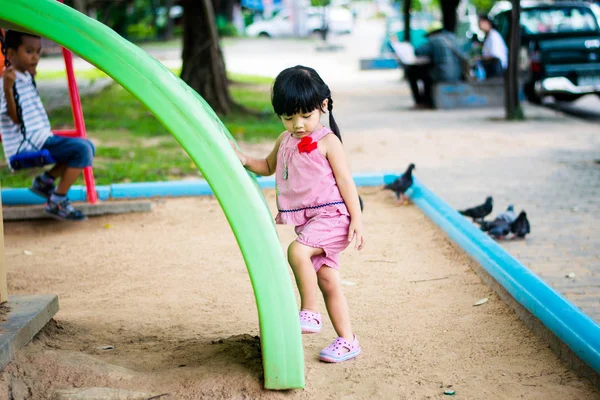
point(561, 45)
point(340, 20)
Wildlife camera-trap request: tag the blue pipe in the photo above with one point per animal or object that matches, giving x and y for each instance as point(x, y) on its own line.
point(119, 191)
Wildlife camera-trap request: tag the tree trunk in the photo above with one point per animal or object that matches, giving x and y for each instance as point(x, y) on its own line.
point(449, 14)
point(511, 80)
point(203, 65)
point(81, 6)
point(325, 22)
point(170, 24)
point(406, 12)
point(154, 4)
point(226, 9)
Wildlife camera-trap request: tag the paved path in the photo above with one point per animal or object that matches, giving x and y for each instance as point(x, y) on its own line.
point(546, 165)
point(55, 93)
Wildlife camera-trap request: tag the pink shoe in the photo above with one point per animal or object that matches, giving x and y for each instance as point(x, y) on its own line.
point(340, 350)
point(310, 322)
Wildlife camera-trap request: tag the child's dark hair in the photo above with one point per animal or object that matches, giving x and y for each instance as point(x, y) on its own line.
point(13, 39)
point(300, 89)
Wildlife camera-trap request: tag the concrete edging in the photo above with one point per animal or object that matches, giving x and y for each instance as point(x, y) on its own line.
point(504, 273)
point(28, 314)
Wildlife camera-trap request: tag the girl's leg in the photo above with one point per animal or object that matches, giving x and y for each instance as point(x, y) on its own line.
point(335, 300)
point(299, 257)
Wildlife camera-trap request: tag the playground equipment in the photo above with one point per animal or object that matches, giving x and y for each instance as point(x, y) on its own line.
point(40, 158)
point(200, 132)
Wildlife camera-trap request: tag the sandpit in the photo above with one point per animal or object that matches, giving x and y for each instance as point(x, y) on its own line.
point(169, 290)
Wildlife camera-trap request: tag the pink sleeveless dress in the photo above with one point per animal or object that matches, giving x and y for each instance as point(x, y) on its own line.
point(309, 198)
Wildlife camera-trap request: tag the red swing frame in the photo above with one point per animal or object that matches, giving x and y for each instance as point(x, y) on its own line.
point(79, 131)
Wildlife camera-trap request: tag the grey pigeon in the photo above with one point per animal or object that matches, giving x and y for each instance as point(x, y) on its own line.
point(481, 211)
point(499, 229)
point(509, 215)
point(401, 185)
point(504, 218)
point(520, 227)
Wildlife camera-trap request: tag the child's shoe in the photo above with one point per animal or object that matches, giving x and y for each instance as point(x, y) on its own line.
point(310, 322)
point(340, 350)
point(42, 188)
point(64, 210)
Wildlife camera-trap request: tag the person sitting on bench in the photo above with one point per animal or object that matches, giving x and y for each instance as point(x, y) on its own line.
point(25, 127)
point(494, 54)
point(444, 65)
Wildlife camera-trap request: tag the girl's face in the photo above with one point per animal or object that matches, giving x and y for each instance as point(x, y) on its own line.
point(303, 124)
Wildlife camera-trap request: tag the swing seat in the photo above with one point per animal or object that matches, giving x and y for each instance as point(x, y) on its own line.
point(31, 159)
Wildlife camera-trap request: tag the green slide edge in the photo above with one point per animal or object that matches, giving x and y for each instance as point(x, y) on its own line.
point(200, 132)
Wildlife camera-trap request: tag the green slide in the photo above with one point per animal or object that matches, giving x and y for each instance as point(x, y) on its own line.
point(200, 132)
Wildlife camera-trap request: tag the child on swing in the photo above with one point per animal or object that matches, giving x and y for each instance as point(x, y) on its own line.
point(21, 106)
point(316, 194)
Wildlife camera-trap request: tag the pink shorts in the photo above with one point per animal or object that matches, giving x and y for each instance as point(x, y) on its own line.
point(327, 231)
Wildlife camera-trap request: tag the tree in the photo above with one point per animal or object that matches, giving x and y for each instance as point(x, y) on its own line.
point(170, 23)
point(449, 17)
point(203, 64)
point(406, 11)
point(449, 14)
point(483, 6)
point(324, 4)
point(512, 104)
point(81, 6)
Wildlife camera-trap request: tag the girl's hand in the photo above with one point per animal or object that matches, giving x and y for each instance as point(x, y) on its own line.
point(10, 77)
point(356, 231)
point(241, 156)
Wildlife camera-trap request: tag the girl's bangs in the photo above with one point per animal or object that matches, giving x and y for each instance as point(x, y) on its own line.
point(299, 96)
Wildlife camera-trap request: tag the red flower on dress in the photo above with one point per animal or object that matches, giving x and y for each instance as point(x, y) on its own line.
point(307, 145)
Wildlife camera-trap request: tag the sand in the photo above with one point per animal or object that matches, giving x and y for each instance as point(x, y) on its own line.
point(169, 290)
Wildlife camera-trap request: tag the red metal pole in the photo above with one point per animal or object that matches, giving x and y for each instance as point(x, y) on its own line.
point(88, 174)
point(66, 132)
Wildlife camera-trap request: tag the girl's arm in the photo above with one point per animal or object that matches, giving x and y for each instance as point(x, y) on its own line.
point(334, 151)
point(11, 106)
point(260, 166)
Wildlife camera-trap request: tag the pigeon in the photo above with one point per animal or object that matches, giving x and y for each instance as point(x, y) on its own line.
point(508, 215)
point(481, 211)
point(499, 229)
point(504, 218)
point(401, 185)
point(520, 227)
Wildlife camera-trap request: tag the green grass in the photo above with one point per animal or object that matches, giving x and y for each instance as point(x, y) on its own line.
point(95, 73)
point(133, 146)
point(250, 79)
point(90, 74)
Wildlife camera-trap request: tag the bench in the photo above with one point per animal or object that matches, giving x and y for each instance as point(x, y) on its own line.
point(452, 95)
point(474, 94)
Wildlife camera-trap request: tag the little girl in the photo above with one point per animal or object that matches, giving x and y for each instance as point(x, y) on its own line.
point(316, 193)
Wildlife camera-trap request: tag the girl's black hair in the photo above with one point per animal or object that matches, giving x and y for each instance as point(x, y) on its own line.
point(300, 89)
point(13, 39)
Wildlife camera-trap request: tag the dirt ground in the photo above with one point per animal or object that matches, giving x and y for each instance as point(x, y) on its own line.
point(169, 290)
